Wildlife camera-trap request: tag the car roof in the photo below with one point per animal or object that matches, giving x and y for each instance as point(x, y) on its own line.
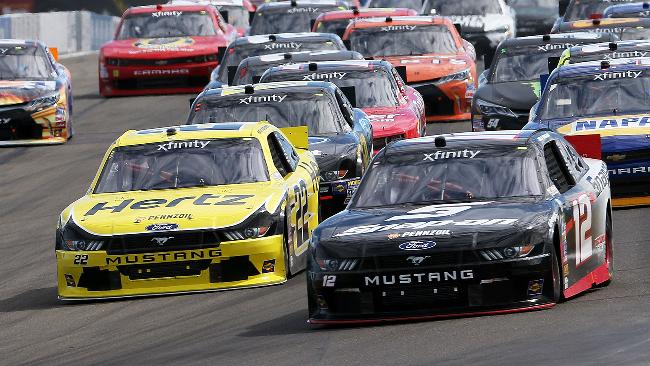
point(187, 132)
point(365, 12)
point(629, 8)
point(398, 20)
point(587, 24)
point(168, 7)
point(264, 88)
point(20, 42)
point(595, 67)
point(283, 5)
point(210, 2)
point(332, 65)
point(587, 49)
point(286, 37)
point(557, 38)
point(301, 56)
point(455, 141)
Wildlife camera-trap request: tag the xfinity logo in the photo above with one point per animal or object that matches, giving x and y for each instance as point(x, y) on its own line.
point(557, 46)
point(324, 76)
point(4, 50)
point(275, 46)
point(302, 10)
point(398, 28)
point(263, 99)
point(416, 261)
point(629, 54)
point(417, 245)
point(162, 241)
point(618, 75)
point(4, 120)
point(174, 13)
point(161, 227)
point(405, 279)
point(451, 154)
point(196, 144)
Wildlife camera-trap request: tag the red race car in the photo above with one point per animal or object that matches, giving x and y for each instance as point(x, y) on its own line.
point(337, 21)
point(163, 49)
point(429, 55)
point(235, 12)
point(395, 110)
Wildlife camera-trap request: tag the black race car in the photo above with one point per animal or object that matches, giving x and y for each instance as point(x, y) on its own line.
point(291, 16)
point(485, 23)
point(605, 51)
point(464, 224)
point(250, 70)
point(511, 86)
point(340, 136)
point(534, 16)
point(244, 47)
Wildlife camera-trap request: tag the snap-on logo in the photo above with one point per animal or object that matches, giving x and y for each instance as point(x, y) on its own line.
point(417, 245)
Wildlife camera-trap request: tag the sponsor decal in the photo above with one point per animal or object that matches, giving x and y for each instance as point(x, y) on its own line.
point(603, 124)
point(174, 13)
point(4, 121)
point(535, 287)
point(186, 216)
point(162, 240)
point(599, 242)
point(424, 277)
point(69, 280)
point(283, 46)
point(383, 117)
point(451, 154)
point(116, 260)
point(268, 266)
point(302, 10)
point(472, 21)
point(391, 28)
point(629, 74)
point(630, 171)
point(163, 44)
point(173, 145)
point(3, 51)
point(324, 76)
point(161, 72)
point(161, 227)
point(419, 233)
point(556, 46)
point(600, 181)
point(417, 245)
point(416, 261)
point(367, 229)
point(148, 204)
point(263, 99)
point(565, 269)
point(437, 211)
point(626, 54)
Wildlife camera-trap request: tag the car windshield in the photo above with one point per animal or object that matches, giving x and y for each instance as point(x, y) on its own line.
point(473, 7)
point(24, 63)
point(183, 164)
point(370, 88)
point(333, 26)
point(235, 55)
point(606, 54)
point(449, 175)
point(405, 40)
point(165, 24)
point(612, 93)
point(289, 20)
point(551, 4)
point(314, 110)
point(237, 16)
point(583, 9)
point(525, 63)
point(634, 34)
point(411, 4)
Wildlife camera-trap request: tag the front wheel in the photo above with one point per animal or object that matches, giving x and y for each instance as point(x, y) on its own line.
point(609, 249)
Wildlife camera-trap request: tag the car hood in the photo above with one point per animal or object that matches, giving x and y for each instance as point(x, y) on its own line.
point(428, 67)
point(19, 92)
point(390, 121)
point(136, 212)
point(480, 23)
point(152, 48)
point(330, 150)
point(381, 231)
point(518, 95)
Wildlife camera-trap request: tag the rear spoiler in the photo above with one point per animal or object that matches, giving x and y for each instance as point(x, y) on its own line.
point(588, 146)
point(298, 136)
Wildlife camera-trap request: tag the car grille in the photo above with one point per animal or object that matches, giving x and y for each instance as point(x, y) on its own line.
point(17, 124)
point(162, 83)
point(407, 298)
point(125, 62)
point(163, 270)
point(153, 242)
point(436, 103)
point(403, 261)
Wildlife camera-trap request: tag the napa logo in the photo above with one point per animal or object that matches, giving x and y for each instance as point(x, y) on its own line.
point(610, 123)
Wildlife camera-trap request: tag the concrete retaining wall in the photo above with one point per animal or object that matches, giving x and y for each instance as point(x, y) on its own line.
point(70, 32)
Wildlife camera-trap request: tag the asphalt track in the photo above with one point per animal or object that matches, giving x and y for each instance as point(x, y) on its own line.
point(263, 326)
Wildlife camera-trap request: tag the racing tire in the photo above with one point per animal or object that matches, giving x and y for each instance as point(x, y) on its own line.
point(609, 250)
point(285, 240)
point(556, 276)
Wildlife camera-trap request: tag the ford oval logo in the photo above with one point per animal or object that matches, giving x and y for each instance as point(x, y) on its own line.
point(417, 245)
point(161, 227)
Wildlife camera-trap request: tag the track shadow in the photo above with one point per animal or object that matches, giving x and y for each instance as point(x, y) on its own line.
point(34, 299)
point(293, 323)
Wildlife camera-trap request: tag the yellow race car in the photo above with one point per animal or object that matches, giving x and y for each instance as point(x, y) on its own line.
point(191, 208)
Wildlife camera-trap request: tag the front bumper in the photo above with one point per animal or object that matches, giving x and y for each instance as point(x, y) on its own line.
point(446, 102)
point(237, 264)
point(425, 292)
point(148, 80)
point(19, 127)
